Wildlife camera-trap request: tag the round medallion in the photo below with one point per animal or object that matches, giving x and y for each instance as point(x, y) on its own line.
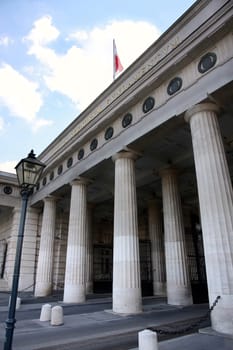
point(148, 104)
point(174, 86)
point(127, 120)
point(94, 144)
point(69, 162)
point(206, 62)
point(60, 169)
point(108, 133)
point(81, 154)
point(7, 189)
point(51, 176)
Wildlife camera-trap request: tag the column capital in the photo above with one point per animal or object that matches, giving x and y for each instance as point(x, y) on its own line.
point(168, 171)
point(80, 181)
point(125, 155)
point(201, 107)
point(50, 198)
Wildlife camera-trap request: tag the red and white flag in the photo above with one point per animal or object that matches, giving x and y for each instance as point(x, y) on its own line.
point(117, 66)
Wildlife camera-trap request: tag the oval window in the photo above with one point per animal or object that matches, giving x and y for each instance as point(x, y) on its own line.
point(148, 104)
point(108, 133)
point(174, 85)
point(207, 62)
point(127, 120)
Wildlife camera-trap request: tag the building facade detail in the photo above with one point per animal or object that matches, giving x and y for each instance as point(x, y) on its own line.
point(127, 297)
point(178, 283)
point(216, 208)
point(75, 275)
point(44, 273)
point(168, 114)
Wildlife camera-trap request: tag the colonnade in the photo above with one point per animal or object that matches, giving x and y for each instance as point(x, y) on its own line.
point(216, 209)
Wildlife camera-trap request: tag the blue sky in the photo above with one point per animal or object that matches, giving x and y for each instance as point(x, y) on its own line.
point(56, 57)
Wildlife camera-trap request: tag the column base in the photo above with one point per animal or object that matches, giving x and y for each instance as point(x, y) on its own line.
point(74, 294)
point(127, 301)
point(159, 288)
point(89, 287)
point(222, 315)
point(43, 289)
point(179, 295)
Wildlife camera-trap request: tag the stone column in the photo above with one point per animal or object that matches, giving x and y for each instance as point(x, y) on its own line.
point(89, 251)
point(75, 279)
point(3, 246)
point(157, 248)
point(178, 283)
point(126, 261)
point(44, 275)
point(216, 209)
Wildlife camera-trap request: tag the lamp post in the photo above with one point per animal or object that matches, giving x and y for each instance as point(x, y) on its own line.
point(28, 172)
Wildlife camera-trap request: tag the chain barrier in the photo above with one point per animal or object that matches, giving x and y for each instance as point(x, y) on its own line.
point(168, 330)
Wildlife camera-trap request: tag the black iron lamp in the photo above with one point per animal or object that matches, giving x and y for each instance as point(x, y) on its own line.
point(28, 171)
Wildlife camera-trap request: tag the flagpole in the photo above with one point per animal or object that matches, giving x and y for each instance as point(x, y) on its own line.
point(113, 56)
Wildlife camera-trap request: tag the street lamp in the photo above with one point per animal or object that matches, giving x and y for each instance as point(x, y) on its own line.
point(28, 172)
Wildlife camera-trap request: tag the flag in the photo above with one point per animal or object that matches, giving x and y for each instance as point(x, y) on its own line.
point(117, 66)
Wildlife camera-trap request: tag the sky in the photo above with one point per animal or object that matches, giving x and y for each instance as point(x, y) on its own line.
point(56, 58)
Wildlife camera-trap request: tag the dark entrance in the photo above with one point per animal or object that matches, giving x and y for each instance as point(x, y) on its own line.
point(197, 263)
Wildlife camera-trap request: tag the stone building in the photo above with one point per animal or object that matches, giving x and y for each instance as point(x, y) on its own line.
point(136, 198)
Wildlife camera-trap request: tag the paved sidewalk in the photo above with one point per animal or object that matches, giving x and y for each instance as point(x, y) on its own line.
point(33, 334)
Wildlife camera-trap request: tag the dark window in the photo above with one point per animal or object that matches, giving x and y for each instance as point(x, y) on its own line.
point(94, 144)
point(69, 162)
point(127, 120)
point(206, 62)
point(174, 85)
point(51, 176)
point(108, 133)
point(38, 186)
point(44, 181)
point(148, 104)
point(81, 154)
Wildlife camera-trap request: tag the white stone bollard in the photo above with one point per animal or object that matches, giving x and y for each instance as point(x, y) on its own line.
point(18, 303)
point(57, 316)
point(147, 340)
point(45, 314)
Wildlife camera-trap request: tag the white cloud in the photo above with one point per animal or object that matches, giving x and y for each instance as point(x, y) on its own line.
point(85, 71)
point(5, 40)
point(9, 166)
point(20, 96)
point(43, 32)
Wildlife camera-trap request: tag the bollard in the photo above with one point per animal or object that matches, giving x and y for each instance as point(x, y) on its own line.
point(18, 302)
point(45, 314)
point(147, 340)
point(57, 316)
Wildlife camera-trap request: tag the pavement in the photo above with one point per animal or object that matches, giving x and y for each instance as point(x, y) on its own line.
point(85, 327)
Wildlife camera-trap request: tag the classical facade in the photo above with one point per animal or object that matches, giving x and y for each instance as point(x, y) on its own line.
point(136, 197)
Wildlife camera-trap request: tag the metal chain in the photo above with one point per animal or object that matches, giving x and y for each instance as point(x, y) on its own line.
point(188, 328)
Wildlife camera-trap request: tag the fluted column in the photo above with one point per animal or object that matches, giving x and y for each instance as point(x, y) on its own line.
point(45, 260)
point(3, 246)
point(126, 260)
point(157, 248)
point(89, 251)
point(75, 283)
point(216, 209)
point(178, 283)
